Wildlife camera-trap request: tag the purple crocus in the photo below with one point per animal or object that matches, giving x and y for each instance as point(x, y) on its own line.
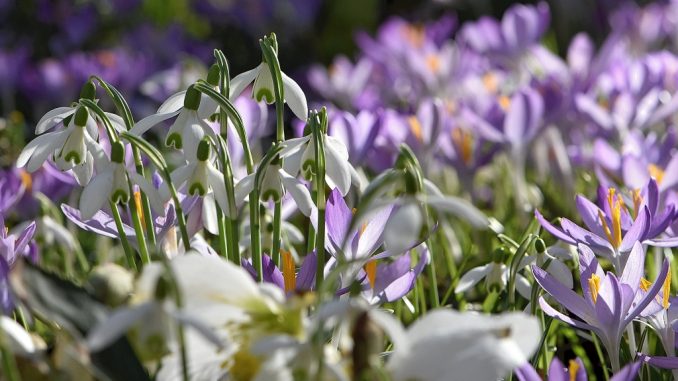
point(607, 304)
point(13, 247)
point(12, 187)
point(574, 372)
point(287, 279)
point(611, 230)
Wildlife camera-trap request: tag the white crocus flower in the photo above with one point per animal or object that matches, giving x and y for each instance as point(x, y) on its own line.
point(451, 345)
point(111, 183)
point(189, 128)
point(274, 183)
point(263, 89)
point(72, 148)
point(299, 155)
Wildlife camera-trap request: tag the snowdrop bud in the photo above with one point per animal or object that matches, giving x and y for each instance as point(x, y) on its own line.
point(368, 341)
point(81, 117)
point(88, 90)
point(117, 152)
point(274, 42)
point(203, 150)
point(540, 246)
point(213, 75)
point(111, 284)
point(192, 99)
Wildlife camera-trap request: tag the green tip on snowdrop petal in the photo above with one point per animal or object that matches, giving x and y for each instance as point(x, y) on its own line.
point(81, 116)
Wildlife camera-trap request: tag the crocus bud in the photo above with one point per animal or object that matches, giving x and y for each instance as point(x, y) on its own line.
point(192, 98)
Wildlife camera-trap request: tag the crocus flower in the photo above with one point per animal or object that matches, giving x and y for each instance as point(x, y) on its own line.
point(288, 279)
point(263, 89)
point(12, 188)
point(463, 345)
point(574, 372)
point(12, 248)
point(612, 229)
point(607, 306)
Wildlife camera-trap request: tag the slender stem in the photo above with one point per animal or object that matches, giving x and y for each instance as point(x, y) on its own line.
point(255, 234)
point(9, 366)
point(129, 253)
point(434, 298)
point(601, 357)
point(180, 213)
point(223, 235)
point(277, 230)
point(319, 136)
point(145, 205)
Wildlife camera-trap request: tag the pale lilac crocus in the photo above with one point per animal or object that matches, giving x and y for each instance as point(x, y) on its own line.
point(611, 230)
point(607, 304)
point(12, 247)
point(287, 279)
point(575, 371)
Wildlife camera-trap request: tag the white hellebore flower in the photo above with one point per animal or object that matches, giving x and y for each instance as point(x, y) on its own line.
point(274, 183)
point(72, 148)
point(450, 345)
point(299, 155)
point(263, 89)
point(189, 128)
point(111, 183)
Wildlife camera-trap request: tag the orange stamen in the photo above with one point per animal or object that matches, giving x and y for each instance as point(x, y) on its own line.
point(656, 172)
point(26, 179)
point(371, 270)
point(490, 82)
point(464, 143)
point(415, 128)
point(289, 270)
point(433, 63)
point(504, 102)
point(637, 200)
point(594, 286)
point(573, 369)
point(140, 210)
point(666, 290)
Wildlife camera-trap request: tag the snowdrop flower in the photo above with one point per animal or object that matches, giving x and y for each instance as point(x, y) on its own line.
point(111, 183)
point(299, 155)
point(275, 182)
point(202, 179)
point(19, 341)
point(188, 129)
point(263, 89)
point(72, 148)
point(447, 344)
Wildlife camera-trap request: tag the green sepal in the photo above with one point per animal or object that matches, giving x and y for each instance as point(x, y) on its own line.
point(174, 140)
point(117, 152)
point(192, 98)
point(80, 118)
point(88, 91)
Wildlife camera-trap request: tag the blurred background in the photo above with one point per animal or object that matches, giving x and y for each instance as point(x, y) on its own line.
point(152, 48)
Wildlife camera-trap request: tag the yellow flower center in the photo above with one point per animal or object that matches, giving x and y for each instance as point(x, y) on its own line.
point(244, 366)
point(656, 173)
point(573, 369)
point(645, 284)
point(414, 34)
point(289, 275)
point(463, 140)
point(415, 128)
point(594, 286)
point(637, 200)
point(371, 270)
point(26, 180)
point(613, 233)
point(140, 210)
point(504, 102)
point(433, 63)
point(666, 290)
point(490, 82)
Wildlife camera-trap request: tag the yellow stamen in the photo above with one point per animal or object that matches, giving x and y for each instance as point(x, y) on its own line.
point(288, 269)
point(415, 128)
point(490, 82)
point(362, 229)
point(433, 63)
point(140, 210)
point(594, 286)
point(637, 200)
point(615, 209)
point(656, 173)
point(371, 270)
point(606, 228)
point(645, 284)
point(414, 34)
point(463, 140)
point(573, 369)
point(666, 290)
point(504, 102)
point(26, 180)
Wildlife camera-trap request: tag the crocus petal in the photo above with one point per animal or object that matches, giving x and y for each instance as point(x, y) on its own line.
point(306, 276)
point(589, 213)
point(649, 296)
point(338, 218)
point(471, 278)
point(564, 318)
point(598, 114)
point(95, 194)
point(295, 97)
point(526, 372)
point(637, 232)
point(627, 373)
point(557, 371)
point(25, 236)
point(372, 236)
point(565, 296)
point(634, 267)
point(553, 230)
point(52, 118)
point(240, 81)
point(635, 174)
point(298, 191)
point(670, 178)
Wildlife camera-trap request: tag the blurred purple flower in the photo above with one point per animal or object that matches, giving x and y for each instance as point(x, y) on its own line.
point(12, 248)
